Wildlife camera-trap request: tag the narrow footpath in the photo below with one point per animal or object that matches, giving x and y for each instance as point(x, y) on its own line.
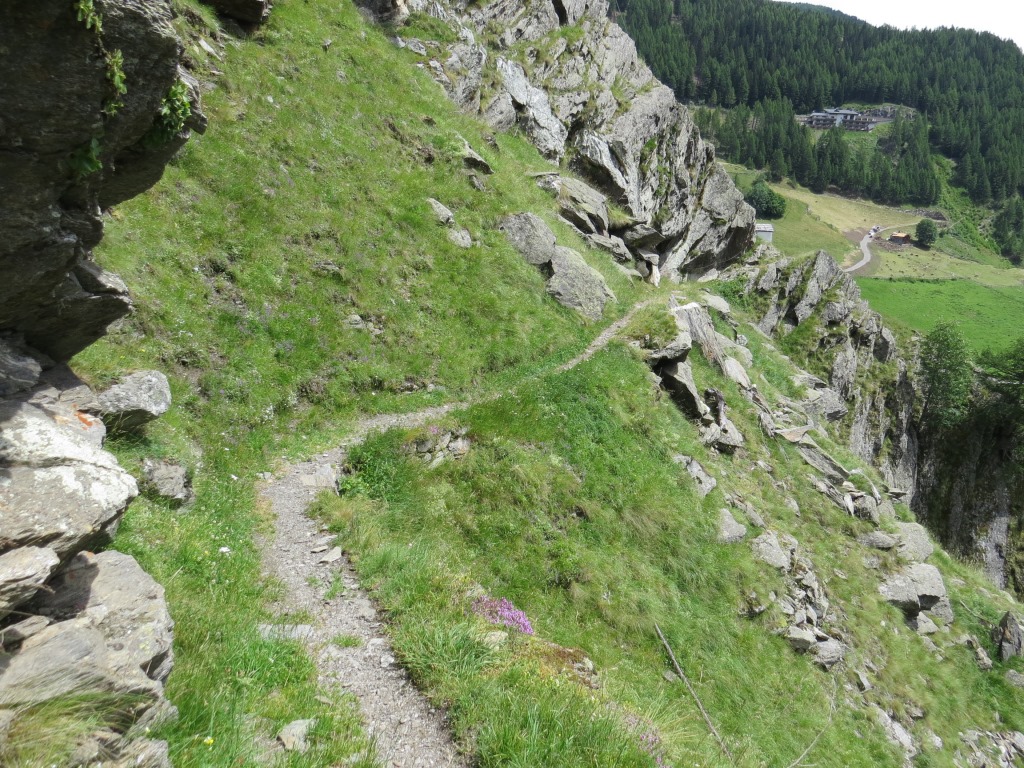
point(319, 581)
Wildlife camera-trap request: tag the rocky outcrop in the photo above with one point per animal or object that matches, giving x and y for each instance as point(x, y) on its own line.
point(99, 104)
point(591, 97)
point(570, 280)
point(70, 145)
point(964, 486)
point(867, 387)
point(73, 623)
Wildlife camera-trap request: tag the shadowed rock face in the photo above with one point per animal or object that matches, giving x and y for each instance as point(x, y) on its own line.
point(71, 145)
point(57, 118)
point(591, 98)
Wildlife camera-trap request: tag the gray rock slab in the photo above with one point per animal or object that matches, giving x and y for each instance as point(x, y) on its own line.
point(899, 589)
point(730, 531)
point(800, 639)
point(60, 489)
point(18, 370)
point(15, 633)
point(770, 550)
point(705, 482)
point(828, 653)
point(577, 285)
point(136, 400)
point(929, 584)
point(915, 544)
point(583, 206)
point(167, 480)
point(1009, 636)
point(442, 213)
point(120, 600)
point(531, 236)
point(735, 371)
point(295, 632)
point(534, 110)
point(294, 735)
point(22, 573)
point(878, 540)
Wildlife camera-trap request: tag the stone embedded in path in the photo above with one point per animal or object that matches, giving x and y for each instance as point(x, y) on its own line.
point(295, 632)
point(332, 556)
point(293, 736)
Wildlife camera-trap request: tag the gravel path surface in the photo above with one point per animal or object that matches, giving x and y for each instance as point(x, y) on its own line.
point(409, 731)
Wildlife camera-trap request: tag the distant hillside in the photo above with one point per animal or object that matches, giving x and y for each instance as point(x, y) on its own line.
point(742, 52)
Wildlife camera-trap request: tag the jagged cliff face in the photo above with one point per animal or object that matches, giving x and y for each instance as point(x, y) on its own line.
point(72, 144)
point(93, 104)
point(865, 384)
point(966, 486)
point(970, 490)
point(573, 82)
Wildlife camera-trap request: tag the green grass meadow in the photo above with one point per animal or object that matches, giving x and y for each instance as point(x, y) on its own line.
point(305, 205)
point(989, 317)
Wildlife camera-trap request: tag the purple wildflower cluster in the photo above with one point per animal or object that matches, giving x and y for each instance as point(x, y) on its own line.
point(501, 611)
point(649, 739)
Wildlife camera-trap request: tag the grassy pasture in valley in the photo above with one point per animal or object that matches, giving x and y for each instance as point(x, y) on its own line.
point(990, 317)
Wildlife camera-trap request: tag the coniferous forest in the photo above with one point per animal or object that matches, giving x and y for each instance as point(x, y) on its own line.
point(767, 61)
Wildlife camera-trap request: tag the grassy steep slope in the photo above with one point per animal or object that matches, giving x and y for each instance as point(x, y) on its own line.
point(305, 204)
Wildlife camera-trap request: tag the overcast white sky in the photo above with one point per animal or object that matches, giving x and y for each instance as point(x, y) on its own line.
point(1004, 18)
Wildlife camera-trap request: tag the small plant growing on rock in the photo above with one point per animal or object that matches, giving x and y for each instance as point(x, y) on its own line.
point(172, 115)
point(85, 11)
point(85, 160)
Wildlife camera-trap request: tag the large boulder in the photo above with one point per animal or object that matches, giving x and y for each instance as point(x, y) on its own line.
point(571, 281)
point(112, 592)
point(915, 545)
point(730, 531)
point(531, 236)
point(136, 400)
point(583, 206)
point(577, 285)
point(1009, 637)
point(61, 490)
point(914, 589)
point(774, 550)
